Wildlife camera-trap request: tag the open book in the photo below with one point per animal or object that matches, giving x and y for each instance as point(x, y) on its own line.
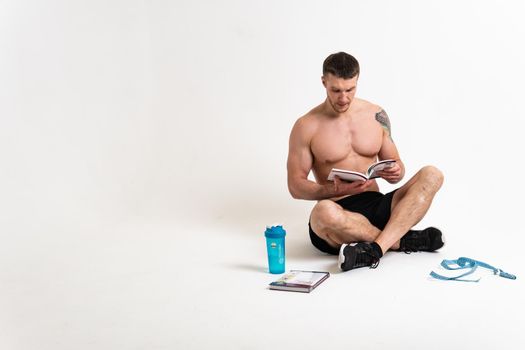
point(349, 175)
point(300, 281)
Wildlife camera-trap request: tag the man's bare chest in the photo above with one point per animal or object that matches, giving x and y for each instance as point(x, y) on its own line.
point(336, 142)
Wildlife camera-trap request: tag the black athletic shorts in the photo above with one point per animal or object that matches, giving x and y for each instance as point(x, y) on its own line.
point(375, 206)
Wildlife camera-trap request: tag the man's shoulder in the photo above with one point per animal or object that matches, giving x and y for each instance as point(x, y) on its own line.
point(307, 125)
point(311, 118)
point(367, 106)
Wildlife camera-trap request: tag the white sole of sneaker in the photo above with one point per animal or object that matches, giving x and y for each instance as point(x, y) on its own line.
point(341, 255)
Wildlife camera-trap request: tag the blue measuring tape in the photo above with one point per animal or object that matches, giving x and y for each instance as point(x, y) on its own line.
point(466, 263)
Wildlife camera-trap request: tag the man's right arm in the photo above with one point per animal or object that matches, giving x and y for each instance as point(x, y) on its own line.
point(300, 162)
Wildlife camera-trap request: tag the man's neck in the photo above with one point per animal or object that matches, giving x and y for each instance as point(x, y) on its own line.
point(330, 111)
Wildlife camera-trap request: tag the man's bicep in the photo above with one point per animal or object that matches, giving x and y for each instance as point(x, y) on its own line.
point(300, 159)
point(388, 148)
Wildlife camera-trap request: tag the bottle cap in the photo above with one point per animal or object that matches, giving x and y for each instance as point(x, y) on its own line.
point(275, 231)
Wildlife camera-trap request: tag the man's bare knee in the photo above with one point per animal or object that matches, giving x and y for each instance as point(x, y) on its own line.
point(432, 177)
point(334, 224)
point(325, 214)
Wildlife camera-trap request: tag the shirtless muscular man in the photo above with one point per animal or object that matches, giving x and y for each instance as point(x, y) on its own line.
point(353, 219)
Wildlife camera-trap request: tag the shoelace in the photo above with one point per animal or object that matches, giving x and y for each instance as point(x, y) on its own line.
point(365, 258)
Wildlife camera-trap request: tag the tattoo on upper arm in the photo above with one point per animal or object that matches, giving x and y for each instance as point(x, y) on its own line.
point(382, 118)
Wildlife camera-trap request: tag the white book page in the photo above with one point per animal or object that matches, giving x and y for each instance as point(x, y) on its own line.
point(305, 277)
point(384, 164)
point(346, 175)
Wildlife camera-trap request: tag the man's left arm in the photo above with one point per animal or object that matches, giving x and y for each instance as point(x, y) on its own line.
point(389, 150)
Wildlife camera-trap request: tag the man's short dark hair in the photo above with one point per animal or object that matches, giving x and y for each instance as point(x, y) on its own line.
point(342, 65)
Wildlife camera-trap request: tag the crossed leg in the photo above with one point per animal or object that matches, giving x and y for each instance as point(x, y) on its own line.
point(409, 204)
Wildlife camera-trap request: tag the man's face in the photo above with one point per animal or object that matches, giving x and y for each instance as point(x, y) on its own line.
point(340, 92)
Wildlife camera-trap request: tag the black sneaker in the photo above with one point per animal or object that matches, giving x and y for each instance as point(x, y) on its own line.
point(357, 255)
point(427, 240)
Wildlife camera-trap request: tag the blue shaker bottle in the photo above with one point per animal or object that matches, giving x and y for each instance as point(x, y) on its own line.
point(275, 247)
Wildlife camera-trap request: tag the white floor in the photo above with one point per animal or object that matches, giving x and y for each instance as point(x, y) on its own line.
point(184, 284)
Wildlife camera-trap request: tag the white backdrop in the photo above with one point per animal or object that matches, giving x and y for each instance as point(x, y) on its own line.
point(122, 108)
point(122, 111)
